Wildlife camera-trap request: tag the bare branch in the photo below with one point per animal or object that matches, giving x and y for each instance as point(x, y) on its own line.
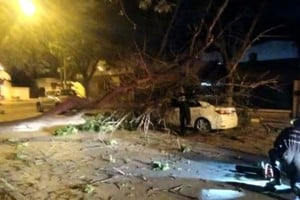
point(226, 27)
point(166, 36)
point(198, 30)
point(248, 45)
point(244, 83)
point(247, 41)
point(144, 65)
point(126, 16)
point(217, 17)
point(209, 37)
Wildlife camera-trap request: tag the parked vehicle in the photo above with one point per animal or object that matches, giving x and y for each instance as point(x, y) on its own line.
point(205, 117)
point(53, 98)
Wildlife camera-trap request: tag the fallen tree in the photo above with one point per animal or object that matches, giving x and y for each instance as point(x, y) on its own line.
point(166, 72)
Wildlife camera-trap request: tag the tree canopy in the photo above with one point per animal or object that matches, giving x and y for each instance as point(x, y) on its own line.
point(150, 37)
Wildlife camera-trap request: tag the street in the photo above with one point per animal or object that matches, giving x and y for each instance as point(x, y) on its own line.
point(14, 110)
point(41, 166)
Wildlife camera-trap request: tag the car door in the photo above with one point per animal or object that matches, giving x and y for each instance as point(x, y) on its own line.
point(173, 116)
point(48, 101)
point(201, 109)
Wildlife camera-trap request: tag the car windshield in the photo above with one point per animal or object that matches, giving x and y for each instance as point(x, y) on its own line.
point(192, 102)
point(60, 93)
point(66, 92)
point(52, 93)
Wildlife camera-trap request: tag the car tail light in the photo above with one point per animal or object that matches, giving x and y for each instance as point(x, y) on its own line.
point(225, 111)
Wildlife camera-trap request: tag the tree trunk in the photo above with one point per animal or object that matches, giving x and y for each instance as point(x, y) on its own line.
point(230, 90)
point(230, 95)
point(86, 85)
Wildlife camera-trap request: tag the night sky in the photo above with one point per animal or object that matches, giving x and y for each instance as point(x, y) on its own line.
point(285, 12)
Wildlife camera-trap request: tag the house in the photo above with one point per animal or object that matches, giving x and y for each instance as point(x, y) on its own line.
point(47, 83)
point(275, 58)
point(272, 50)
point(5, 84)
point(267, 59)
point(285, 71)
point(9, 92)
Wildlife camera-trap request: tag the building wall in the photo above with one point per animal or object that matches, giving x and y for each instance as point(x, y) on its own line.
point(5, 89)
point(9, 92)
point(20, 93)
point(46, 83)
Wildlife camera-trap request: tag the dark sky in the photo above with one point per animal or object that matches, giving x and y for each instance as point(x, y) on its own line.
point(285, 12)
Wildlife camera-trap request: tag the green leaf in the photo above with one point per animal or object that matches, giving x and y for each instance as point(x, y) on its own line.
point(88, 189)
point(184, 148)
point(158, 166)
point(67, 130)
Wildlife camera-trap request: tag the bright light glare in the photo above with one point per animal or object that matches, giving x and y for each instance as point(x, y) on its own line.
point(27, 7)
point(220, 194)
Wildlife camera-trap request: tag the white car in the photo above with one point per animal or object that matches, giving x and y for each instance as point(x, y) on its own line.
point(206, 117)
point(53, 98)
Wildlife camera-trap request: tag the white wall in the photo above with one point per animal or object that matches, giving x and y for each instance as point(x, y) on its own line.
point(9, 92)
point(5, 89)
point(20, 93)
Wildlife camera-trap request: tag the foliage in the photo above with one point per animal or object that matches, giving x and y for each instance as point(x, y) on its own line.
point(111, 159)
point(161, 6)
point(93, 22)
point(88, 189)
point(66, 130)
point(13, 140)
point(101, 123)
point(154, 44)
point(17, 142)
point(159, 166)
point(49, 41)
point(185, 148)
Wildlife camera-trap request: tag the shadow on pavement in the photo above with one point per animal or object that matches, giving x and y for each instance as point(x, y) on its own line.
point(282, 194)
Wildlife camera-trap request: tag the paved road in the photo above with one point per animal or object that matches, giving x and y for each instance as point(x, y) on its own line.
point(14, 110)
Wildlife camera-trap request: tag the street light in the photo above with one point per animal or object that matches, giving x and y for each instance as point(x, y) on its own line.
point(27, 7)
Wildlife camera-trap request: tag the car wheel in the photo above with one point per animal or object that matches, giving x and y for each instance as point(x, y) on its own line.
point(202, 125)
point(39, 107)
